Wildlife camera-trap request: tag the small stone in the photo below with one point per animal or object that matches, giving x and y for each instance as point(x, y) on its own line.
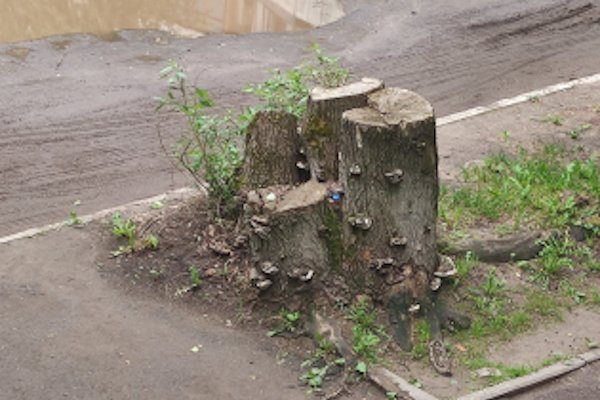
point(435, 284)
point(270, 206)
point(210, 231)
point(253, 198)
point(271, 197)
point(269, 268)
point(264, 284)
point(210, 272)
point(220, 248)
point(488, 372)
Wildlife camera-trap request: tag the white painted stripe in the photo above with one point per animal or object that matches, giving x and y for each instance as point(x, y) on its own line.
point(183, 192)
point(522, 98)
point(559, 87)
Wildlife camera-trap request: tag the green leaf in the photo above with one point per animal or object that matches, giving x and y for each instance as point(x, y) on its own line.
point(361, 368)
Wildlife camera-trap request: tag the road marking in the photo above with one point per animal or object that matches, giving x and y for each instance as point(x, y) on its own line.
point(522, 98)
point(172, 194)
point(449, 119)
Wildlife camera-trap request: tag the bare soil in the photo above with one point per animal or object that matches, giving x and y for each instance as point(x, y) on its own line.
point(78, 123)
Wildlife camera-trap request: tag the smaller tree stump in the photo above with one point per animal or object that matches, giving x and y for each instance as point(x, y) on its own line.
point(321, 131)
point(272, 150)
point(291, 241)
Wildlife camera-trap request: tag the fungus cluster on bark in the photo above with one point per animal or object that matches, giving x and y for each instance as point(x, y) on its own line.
point(349, 192)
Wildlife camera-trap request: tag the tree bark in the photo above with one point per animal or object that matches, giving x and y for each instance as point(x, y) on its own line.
point(388, 168)
point(322, 127)
point(272, 150)
point(293, 241)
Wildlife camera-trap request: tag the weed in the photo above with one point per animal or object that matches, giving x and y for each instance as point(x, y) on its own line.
point(290, 321)
point(195, 278)
point(416, 383)
point(577, 131)
point(74, 220)
point(207, 148)
point(391, 396)
point(594, 298)
point(157, 205)
point(361, 368)
point(125, 229)
point(493, 285)
point(289, 90)
point(366, 334)
point(506, 372)
point(464, 265)
point(553, 258)
point(422, 337)
point(554, 119)
point(572, 292)
point(314, 377)
point(543, 303)
point(151, 242)
point(540, 188)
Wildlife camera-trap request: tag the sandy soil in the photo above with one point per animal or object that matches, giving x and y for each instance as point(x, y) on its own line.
point(77, 117)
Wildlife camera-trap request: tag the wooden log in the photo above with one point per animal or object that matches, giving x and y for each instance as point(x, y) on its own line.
point(272, 150)
point(292, 241)
point(322, 126)
point(388, 169)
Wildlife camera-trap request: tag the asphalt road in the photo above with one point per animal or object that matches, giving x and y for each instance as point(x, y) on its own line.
point(77, 119)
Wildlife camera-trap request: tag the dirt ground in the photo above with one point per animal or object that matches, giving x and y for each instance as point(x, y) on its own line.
point(186, 236)
point(78, 124)
point(78, 118)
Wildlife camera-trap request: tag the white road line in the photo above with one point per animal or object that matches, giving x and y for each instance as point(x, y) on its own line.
point(559, 87)
point(183, 192)
point(522, 98)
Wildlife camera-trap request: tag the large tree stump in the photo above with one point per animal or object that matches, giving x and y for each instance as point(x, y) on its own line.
point(322, 128)
point(388, 168)
point(292, 240)
point(272, 150)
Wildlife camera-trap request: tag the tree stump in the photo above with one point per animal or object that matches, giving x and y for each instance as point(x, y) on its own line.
point(321, 131)
point(292, 240)
point(372, 224)
point(388, 169)
point(272, 150)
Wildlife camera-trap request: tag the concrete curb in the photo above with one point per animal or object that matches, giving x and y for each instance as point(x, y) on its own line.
point(180, 194)
point(526, 382)
point(391, 382)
